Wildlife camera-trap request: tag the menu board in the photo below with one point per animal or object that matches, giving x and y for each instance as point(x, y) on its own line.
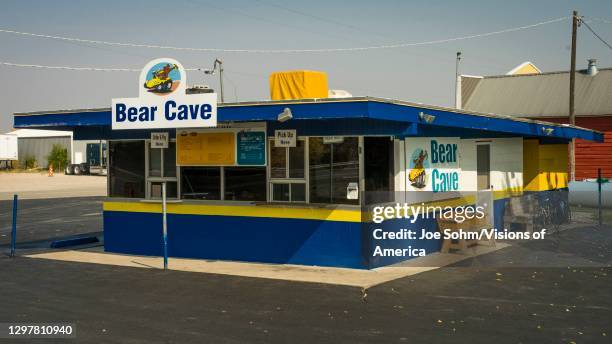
point(251, 148)
point(206, 148)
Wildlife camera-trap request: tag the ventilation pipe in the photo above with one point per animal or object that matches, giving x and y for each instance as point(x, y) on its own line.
point(592, 68)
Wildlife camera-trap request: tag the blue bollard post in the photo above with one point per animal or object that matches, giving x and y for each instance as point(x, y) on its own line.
point(165, 225)
point(14, 228)
point(599, 182)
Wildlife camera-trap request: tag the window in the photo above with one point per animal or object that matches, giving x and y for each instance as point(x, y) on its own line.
point(287, 176)
point(155, 162)
point(170, 160)
point(156, 190)
point(378, 169)
point(280, 192)
point(127, 169)
point(245, 183)
point(278, 162)
point(332, 167)
point(201, 183)
point(240, 183)
point(288, 192)
point(483, 166)
point(162, 168)
point(296, 160)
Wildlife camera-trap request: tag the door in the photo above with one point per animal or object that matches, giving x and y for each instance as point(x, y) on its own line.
point(484, 187)
point(378, 169)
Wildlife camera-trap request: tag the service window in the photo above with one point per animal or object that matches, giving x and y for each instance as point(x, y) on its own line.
point(287, 172)
point(333, 169)
point(201, 183)
point(245, 183)
point(162, 168)
point(126, 170)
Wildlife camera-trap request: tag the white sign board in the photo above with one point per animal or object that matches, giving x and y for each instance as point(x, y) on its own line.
point(285, 138)
point(159, 140)
point(433, 164)
point(163, 103)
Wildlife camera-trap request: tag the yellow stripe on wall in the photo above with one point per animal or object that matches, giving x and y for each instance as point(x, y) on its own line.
point(305, 213)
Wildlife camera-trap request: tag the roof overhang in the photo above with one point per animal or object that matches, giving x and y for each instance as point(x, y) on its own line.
point(421, 117)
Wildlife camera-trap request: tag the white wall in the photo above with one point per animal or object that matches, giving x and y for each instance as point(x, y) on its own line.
point(79, 151)
point(507, 163)
point(467, 162)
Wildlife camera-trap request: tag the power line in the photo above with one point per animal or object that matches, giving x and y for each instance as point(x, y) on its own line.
point(596, 35)
point(276, 51)
point(86, 69)
point(211, 4)
point(607, 21)
point(321, 19)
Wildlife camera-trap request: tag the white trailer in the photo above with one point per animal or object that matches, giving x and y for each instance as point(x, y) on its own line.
point(8, 149)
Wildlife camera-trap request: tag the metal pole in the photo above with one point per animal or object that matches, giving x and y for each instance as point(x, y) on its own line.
point(331, 174)
point(14, 228)
point(457, 82)
point(572, 114)
point(100, 160)
point(221, 80)
point(599, 182)
point(165, 225)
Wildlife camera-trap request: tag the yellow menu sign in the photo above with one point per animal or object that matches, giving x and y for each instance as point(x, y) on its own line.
point(198, 148)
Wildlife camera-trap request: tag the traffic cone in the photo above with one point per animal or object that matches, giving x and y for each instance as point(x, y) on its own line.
point(50, 174)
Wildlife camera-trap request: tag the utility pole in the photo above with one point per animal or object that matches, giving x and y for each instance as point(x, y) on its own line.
point(572, 113)
point(457, 82)
point(217, 64)
point(221, 79)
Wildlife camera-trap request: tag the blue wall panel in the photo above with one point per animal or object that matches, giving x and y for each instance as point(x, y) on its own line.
point(269, 240)
point(133, 233)
point(499, 210)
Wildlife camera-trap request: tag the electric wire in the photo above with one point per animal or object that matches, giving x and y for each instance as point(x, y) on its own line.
point(87, 69)
point(607, 21)
point(596, 35)
point(284, 51)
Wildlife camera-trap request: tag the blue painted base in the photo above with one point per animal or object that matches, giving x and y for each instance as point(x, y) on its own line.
point(268, 240)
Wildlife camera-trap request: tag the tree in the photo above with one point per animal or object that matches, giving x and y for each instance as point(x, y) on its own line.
point(58, 157)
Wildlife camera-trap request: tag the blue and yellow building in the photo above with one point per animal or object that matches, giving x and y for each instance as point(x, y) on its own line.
point(236, 194)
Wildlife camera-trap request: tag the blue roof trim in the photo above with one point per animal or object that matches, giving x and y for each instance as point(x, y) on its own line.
point(497, 124)
point(63, 120)
point(441, 120)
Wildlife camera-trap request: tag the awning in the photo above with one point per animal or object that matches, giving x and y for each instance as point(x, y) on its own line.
point(347, 116)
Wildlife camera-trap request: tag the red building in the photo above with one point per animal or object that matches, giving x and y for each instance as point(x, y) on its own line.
point(546, 96)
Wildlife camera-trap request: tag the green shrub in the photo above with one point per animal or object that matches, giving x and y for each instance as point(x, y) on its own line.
point(58, 157)
point(30, 162)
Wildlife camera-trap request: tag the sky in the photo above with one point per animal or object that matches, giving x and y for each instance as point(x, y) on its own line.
point(422, 74)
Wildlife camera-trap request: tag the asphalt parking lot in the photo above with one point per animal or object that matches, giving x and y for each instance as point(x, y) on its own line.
point(42, 220)
point(50, 208)
point(466, 304)
point(507, 296)
point(551, 291)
